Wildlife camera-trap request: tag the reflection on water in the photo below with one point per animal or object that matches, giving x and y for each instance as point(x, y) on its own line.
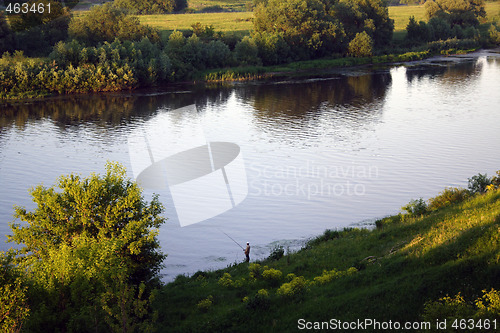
point(348, 147)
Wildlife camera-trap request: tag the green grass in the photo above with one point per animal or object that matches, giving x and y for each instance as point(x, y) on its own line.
point(402, 264)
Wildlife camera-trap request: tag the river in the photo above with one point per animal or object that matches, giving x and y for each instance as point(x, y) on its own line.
point(325, 152)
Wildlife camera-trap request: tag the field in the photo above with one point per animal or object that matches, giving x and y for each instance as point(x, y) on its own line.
point(234, 21)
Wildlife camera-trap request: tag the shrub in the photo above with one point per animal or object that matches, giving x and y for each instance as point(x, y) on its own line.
point(255, 270)
point(272, 275)
point(361, 45)
point(205, 304)
point(273, 49)
point(447, 308)
point(415, 207)
point(277, 253)
point(485, 307)
point(478, 183)
point(488, 305)
point(247, 52)
point(447, 197)
point(260, 301)
point(295, 288)
point(226, 281)
point(329, 276)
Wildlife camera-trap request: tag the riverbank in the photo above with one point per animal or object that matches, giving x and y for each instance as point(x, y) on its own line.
point(41, 80)
point(396, 272)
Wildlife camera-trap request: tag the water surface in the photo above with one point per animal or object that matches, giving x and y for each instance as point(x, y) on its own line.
point(343, 149)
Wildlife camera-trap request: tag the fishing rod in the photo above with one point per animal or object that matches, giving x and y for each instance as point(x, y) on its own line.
point(231, 238)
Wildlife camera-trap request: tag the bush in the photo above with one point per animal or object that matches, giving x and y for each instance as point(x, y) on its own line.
point(447, 197)
point(329, 276)
point(361, 45)
point(295, 288)
point(260, 301)
point(478, 183)
point(226, 281)
point(205, 304)
point(451, 308)
point(247, 52)
point(415, 207)
point(255, 270)
point(276, 253)
point(272, 48)
point(272, 275)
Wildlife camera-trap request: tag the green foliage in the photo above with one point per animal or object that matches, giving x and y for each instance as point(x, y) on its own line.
point(14, 308)
point(478, 183)
point(314, 28)
point(457, 308)
point(494, 34)
point(361, 45)
point(272, 47)
point(90, 248)
point(418, 32)
point(6, 35)
point(106, 23)
point(225, 281)
point(142, 7)
point(447, 197)
point(260, 301)
point(272, 275)
point(329, 276)
point(305, 25)
point(488, 306)
point(247, 52)
point(205, 32)
point(416, 207)
point(276, 253)
point(464, 13)
point(255, 270)
point(205, 304)
point(25, 21)
point(447, 308)
point(295, 288)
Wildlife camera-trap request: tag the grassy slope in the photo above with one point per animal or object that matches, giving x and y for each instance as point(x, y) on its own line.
point(455, 249)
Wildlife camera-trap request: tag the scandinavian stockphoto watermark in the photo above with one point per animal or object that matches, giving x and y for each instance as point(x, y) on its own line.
point(311, 180)
point(197, 173)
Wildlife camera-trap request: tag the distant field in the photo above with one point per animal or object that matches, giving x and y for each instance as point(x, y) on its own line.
point(232, 5)
point(401, 15)
point(235, 21)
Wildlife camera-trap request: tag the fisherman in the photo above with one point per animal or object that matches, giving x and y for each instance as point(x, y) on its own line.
point(247, 252)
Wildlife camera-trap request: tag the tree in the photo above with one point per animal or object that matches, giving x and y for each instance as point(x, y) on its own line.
point(6, 35)
point(142, 7)
point(361, 45)
point(105, 23)
point(461, 12)
point(315, 28)
point(25, 21)
point(304, 24)
point(89, 240)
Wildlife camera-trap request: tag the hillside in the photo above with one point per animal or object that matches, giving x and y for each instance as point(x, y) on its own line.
point(386, 274)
